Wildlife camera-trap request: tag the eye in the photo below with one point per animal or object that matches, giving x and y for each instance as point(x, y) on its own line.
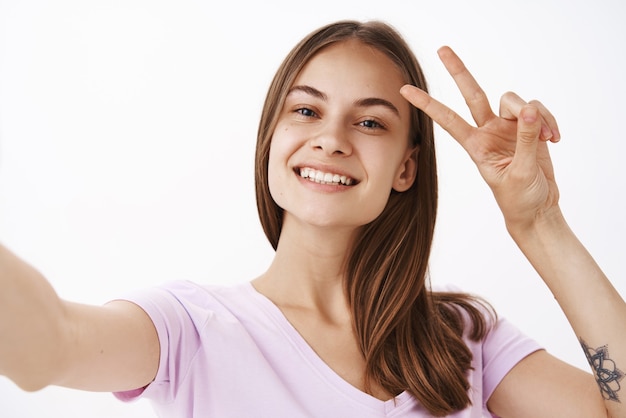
point(371, 124)
point(306, 112)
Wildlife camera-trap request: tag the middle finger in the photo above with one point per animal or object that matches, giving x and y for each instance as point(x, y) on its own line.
point(473, 94)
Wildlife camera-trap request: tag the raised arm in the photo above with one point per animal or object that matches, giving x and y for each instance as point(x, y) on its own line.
point(511, 153)
point(47, 341)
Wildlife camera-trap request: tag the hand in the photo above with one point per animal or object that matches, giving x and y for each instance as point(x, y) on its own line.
point(510, 150)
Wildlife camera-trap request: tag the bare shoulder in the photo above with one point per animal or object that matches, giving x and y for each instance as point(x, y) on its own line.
point(541, 385)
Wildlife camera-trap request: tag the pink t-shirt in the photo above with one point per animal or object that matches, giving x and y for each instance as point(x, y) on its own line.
point(228, 352)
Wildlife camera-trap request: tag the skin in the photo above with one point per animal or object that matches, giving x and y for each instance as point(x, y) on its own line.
point(327, 126)
point(511, 153)
point(115, 347)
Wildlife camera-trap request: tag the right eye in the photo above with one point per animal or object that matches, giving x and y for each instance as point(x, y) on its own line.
point(306, 112)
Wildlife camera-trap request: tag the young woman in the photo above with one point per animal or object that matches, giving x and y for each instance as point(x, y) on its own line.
point(343, 322)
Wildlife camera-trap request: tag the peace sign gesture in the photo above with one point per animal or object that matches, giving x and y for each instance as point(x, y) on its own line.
point(509, 149)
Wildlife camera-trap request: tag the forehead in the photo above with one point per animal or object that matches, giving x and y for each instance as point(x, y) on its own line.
point(352, 67)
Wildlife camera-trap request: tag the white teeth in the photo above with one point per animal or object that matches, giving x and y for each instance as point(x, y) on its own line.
point(324, 178)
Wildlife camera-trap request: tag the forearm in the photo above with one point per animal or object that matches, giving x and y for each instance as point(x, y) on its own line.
point(595, 310)
point(30, 331)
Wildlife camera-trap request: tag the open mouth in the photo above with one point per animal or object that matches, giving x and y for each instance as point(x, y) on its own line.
point(322, 177)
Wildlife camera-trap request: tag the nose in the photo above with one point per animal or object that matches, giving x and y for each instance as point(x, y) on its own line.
point(333, 139)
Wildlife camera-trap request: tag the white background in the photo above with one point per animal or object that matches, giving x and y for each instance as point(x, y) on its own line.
point(127, 132)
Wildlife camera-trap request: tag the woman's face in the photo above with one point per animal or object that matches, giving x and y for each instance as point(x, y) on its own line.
point(341, 143)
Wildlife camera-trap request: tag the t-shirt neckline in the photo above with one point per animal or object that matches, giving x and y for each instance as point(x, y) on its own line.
point(316, 362)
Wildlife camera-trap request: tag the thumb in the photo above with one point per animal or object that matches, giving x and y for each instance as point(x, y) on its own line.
point(528, 131)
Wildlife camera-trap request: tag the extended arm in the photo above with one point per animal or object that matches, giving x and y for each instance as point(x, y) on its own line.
point(47, 341)
point(511, 153)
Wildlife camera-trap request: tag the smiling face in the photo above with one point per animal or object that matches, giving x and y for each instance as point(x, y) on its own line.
point(341, 143)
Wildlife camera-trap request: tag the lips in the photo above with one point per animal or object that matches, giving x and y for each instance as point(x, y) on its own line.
point(323, 177)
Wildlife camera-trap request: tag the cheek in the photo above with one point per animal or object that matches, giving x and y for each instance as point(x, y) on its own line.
point(276, 171)
point(384, 166)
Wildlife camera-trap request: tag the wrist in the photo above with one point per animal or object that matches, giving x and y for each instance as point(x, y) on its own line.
point(546, 226)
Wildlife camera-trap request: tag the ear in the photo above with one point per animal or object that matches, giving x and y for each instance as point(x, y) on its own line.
point(407, 172)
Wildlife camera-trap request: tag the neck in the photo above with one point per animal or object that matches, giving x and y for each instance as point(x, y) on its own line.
point(308, 269)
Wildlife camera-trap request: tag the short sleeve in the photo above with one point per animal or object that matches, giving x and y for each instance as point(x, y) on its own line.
point(503, 347)
point(177, 327)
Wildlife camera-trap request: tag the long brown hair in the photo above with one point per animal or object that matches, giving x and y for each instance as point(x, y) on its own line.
point(410, 337)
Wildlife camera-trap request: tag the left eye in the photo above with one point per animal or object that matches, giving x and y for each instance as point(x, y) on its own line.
point(371, 124)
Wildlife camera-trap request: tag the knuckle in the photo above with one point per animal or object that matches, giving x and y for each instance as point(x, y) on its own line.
point(449, 117)
point(528, 134)
point(510, 97)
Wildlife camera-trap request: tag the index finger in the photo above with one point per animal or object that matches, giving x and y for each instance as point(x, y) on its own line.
point(473, 94)
point(445, 117)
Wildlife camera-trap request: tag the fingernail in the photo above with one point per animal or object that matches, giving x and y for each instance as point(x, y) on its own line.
point(546, 132)
point(529, 114)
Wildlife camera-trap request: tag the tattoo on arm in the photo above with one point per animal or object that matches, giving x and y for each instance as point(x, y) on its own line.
point(606, 372)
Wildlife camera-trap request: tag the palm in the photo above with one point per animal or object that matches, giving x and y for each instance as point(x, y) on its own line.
point(511, 154)
point(520, 191)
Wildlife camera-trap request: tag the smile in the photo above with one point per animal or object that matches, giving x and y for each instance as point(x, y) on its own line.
point(325, 178)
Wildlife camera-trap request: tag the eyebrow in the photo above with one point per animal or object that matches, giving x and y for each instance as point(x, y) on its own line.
point(365, 102)
point(312, 91)
point(376, 101)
